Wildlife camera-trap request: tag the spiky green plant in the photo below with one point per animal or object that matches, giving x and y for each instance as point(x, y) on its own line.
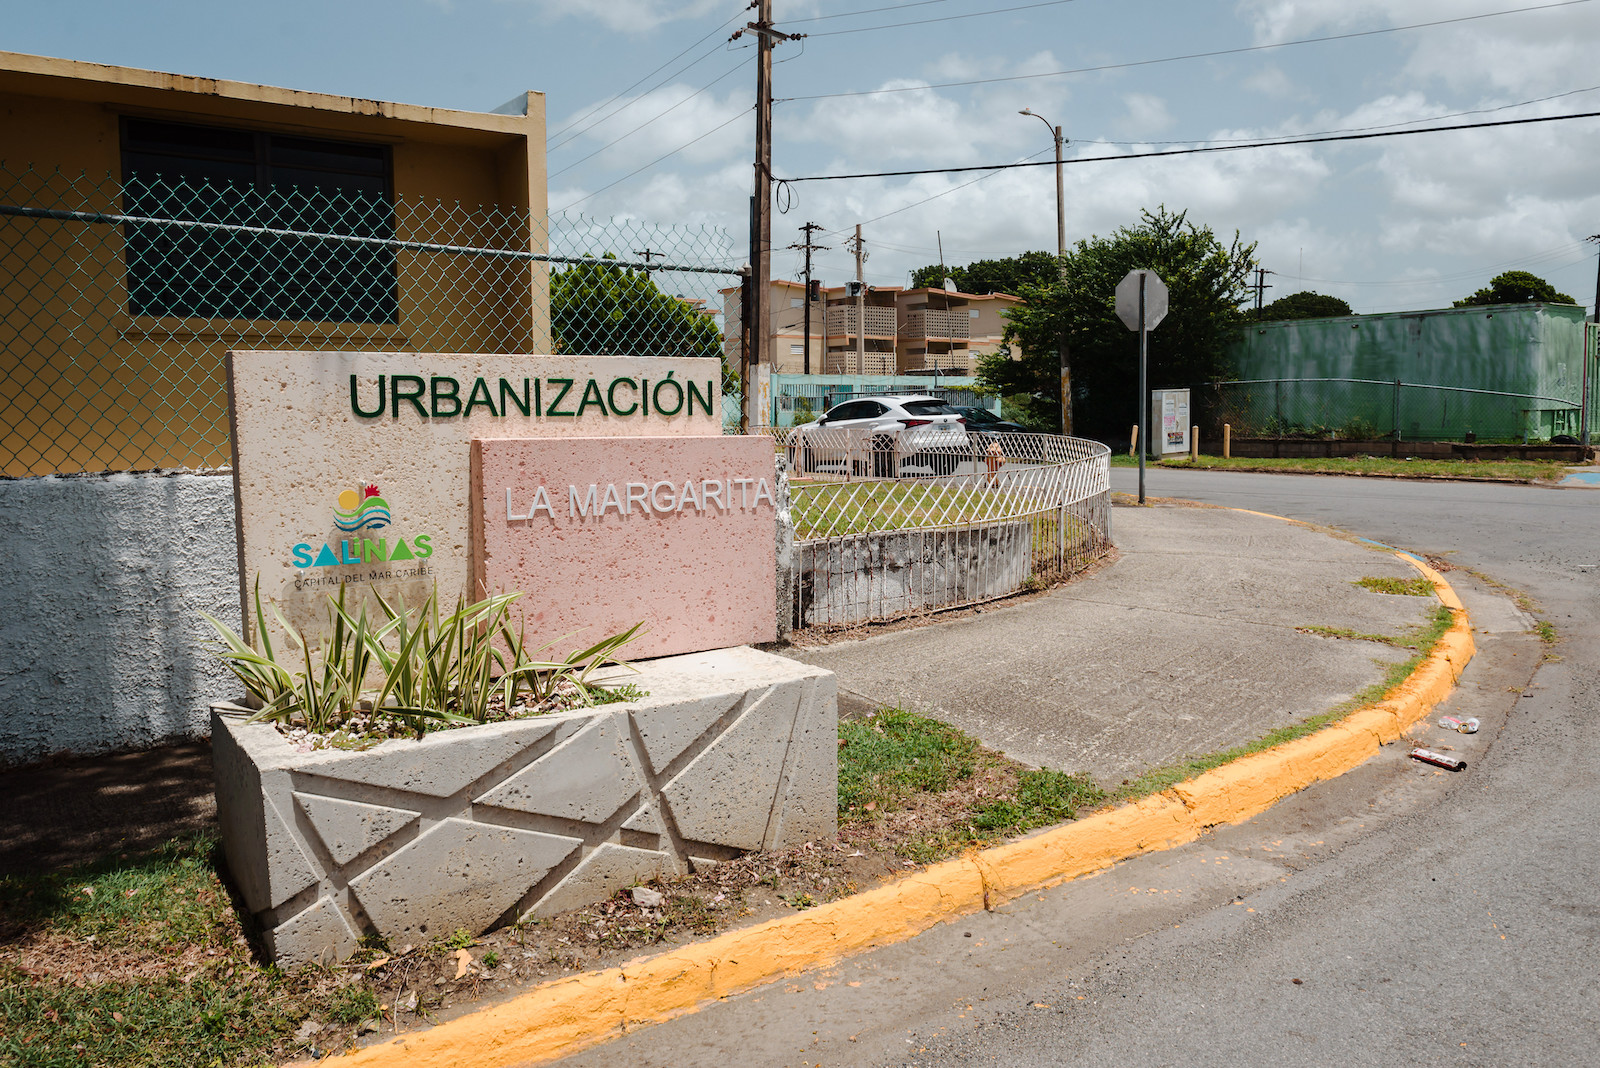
point(431, 669)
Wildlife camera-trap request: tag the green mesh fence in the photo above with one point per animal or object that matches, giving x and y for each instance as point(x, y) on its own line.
point(119, 299)
point(1365, 409)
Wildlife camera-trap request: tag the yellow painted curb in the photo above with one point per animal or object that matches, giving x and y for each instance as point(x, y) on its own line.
point(566, 1015)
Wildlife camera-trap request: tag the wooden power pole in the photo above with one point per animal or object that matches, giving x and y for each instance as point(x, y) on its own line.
point(760, 365)
point(859, 248)
point(809, 247)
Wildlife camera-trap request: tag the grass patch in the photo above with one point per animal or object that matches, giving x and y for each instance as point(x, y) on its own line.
point(891, 754)
point(1157, 779)
point(1345, 632)
point(140, 960)
point(895, 762)
point(826, 509)
point(1409, 587)
point(1043, 797)
point(1498, 470)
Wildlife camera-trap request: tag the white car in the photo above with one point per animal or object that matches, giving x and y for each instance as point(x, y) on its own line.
point(882, 436)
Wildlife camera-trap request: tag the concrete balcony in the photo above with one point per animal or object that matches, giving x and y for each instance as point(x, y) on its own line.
point(935, 323)
point(840, 321)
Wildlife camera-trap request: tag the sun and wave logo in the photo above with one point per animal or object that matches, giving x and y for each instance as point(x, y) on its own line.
point(366, 510)
point(363, 514)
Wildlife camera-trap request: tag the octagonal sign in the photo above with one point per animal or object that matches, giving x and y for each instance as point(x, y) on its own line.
point(1155, 299)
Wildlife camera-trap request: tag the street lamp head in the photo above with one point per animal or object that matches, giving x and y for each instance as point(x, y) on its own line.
point(1025, 111)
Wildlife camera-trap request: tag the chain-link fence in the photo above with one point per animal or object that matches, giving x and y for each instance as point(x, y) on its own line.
point(798, 399)
point(118, 300)
point(1364, 409)
point(887, 526)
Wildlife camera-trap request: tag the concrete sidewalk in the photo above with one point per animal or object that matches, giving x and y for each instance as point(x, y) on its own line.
point(1186, 645)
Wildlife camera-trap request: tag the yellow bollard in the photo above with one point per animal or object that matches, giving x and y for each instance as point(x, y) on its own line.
point(1133, 441)
point(1194, 444)
point(1227, 441)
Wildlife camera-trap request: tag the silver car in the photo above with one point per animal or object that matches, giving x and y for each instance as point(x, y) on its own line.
point(883, 437)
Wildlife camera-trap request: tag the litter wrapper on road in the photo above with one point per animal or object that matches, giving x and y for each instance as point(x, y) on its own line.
point(1443, 760)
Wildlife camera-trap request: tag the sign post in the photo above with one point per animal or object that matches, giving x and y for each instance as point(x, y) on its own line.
point(1141, 305)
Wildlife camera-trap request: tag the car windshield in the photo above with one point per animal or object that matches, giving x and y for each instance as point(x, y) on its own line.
point(929, 407)
point(980, 415)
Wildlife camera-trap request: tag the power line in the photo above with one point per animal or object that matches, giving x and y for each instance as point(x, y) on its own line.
point(1193, 55)
point(1352, 129)
point(1206, 148)
point(942, 18)
point(866, 11)
point(716, 31)
point(658, 159)
point(647, 122)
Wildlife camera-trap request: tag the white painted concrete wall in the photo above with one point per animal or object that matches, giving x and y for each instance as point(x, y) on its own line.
point(102, 579)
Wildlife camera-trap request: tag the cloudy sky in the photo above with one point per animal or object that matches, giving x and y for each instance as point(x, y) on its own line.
point(650, 116)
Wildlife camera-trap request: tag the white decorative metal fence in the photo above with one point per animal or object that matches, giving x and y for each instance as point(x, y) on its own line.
point(884, 529)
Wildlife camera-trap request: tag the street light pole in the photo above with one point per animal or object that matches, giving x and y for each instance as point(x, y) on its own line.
point(1061, 254)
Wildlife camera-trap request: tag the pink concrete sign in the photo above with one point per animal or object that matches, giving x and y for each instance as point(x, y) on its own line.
point(601, 533)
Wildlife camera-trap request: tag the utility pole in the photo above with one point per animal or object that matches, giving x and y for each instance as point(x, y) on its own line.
point(808, 229)
point(858, 247)
point(1261, 287)
point(1583, 415)
point(761, 213)
point(1061, 268)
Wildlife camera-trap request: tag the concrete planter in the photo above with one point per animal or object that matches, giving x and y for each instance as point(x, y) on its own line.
point(732, 750)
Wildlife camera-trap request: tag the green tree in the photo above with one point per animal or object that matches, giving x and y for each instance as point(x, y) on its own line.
point(1206, 279)
point(1303, 305)
point(604, 309)
point(991, 276)
point(1516, 287)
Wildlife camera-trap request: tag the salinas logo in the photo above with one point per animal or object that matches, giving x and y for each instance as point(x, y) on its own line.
point(361, 511)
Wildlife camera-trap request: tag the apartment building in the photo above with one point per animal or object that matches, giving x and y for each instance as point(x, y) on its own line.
point(896, 331)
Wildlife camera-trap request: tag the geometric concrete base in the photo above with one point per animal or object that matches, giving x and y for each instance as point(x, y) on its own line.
point(733, 750)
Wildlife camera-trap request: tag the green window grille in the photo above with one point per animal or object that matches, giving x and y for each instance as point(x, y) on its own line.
point(303, 226)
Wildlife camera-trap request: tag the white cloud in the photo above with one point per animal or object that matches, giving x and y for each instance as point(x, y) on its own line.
point(1147, 114)
point(1525, 53)
point(629, 16)
point(648, 126)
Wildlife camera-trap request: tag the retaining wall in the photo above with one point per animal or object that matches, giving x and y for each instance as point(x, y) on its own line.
point(103, 580)
point(1259, 448)
point(858, 577)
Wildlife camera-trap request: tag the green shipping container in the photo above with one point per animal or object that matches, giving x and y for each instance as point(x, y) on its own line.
point(1500, 372)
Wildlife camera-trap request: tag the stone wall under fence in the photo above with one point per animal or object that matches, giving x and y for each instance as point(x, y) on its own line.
point(860, 577)
point(104, 580)
point(1263, 448)
point(732, 750)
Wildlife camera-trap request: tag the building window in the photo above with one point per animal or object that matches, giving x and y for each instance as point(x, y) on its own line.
point(972, 314)
point(255, 179)
point(797, 302)
point(797, 349)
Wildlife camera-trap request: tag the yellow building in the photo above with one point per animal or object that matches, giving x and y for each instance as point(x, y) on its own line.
point(150, 221)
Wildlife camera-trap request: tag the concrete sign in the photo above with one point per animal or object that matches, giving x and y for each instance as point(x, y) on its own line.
point(1155, 299)
point(354, 467)
point(604, 533)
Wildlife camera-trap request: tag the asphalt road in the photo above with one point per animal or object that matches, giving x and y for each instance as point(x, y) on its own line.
point(1464, 930)
point(1397, 915)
